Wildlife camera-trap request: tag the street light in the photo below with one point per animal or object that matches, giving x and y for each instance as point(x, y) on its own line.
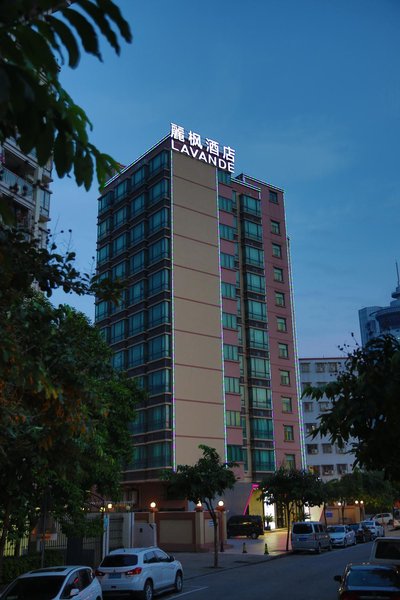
point(220, 509)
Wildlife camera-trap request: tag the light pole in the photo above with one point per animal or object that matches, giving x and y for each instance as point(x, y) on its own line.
point(221, 509)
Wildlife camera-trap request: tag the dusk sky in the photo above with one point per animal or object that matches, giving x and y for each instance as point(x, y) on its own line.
point(307, 92)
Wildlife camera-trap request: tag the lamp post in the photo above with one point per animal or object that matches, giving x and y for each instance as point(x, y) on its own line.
point(221, 509)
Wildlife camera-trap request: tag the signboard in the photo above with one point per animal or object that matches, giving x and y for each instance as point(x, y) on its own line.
point(210, 152)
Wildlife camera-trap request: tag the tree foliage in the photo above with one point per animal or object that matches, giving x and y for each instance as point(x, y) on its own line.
point(365, 410)
point(204, 481)
point(36, 36)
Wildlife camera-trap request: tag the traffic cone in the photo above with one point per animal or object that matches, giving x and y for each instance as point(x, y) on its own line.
point(266, 548)
point(244, 551)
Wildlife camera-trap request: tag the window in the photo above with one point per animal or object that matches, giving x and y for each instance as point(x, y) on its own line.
point(228, 290)
point(121, 190)
point(224, 177)
point(320, 367)
point(308, 406)
point(259, 367)
point(227, 232)
point(159, 454)
point(252, 230)
point(158, 220)
point(324, 406)
point(312, 448)
point(230, 352)
point(118, 360)
point(138, 262)
point(105, 201)
point(327, 448)
point(283, 350)
point(136, 292)
point(281, 324)
point(279, 299)
point(254, 256)
point(286, 404)
point(285, 377)
point(260, 397)
point(327, 470)
point(159, 161)
point(158, 282)
point(138, 233)
point(278, 274)
point(342, 469)
point(159, 250)
point(227, 261)
point(255, 283)
point(138, 205)
point(288, 433)
point(159, 417)
point(229, 321)
point(310, 427)
point(250, 205)
point(136, 355)
point(277, 250)
point(120, 270)
point(305, 385)
point(120, 217)
point(138, 177)
point(234, 453)
point(275, 227)
point(256, 310)
point(103, 254)
point(233, 418)
point(262, 429)
point(273, 196)
point(258, 338)
point(158, 191)
point(120, 244)
point(158, 314)
point(159, 347)
point(304, 367)
point(119, 305)
point(333, 367)
point(225, 204)
point(101, 310)
point(159, 382)
point(315, 470)
point(231, 385)
point(263, 460)
point(103, 228)
point(136, 323)
point(290, 462)
point(117, 331)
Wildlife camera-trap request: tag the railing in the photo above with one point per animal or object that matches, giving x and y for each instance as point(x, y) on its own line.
point(16, 184)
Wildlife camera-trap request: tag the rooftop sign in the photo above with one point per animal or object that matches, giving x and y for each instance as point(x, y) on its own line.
point(211, 152)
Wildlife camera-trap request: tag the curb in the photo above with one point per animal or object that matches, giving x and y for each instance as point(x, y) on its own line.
point(238, 564)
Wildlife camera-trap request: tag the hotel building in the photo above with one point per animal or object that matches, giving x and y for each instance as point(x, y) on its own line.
point(205, 324)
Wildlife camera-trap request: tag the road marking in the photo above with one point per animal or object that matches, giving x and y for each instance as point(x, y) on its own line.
point(193, 591)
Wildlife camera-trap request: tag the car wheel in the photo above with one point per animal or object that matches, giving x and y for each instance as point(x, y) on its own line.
point(178, 582)
point(147, 593)
point(345, 544)
point(318, 549)
point(254, 535)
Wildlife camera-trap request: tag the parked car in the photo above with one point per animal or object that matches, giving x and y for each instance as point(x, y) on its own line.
point(341, 535)
point(248, 525)
point(368, 580)
point(363, 534)
point(376, 528)
point(386, 551)
point(310, 535)
point(383, 518)
point(142, 570)
point(54, 583)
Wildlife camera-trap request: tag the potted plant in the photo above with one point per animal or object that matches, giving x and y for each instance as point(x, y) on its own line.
point(268, 520)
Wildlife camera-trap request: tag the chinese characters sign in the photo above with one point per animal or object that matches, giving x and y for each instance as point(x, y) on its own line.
point(210, 152)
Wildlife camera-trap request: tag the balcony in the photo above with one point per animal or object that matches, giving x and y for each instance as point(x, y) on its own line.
point(11, 183)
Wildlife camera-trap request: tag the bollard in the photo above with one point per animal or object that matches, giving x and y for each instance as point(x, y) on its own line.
point(266, 548)
point(244, 551)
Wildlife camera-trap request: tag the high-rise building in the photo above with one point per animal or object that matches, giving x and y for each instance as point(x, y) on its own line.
point(381, 320)
point(24, 189)
point(206, 320)
point(323, 458)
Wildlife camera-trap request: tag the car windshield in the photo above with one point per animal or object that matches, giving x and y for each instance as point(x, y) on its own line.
point(373, 578)
point(35, 588)
point(120, 560)
point(336, 529)
point(354, 526)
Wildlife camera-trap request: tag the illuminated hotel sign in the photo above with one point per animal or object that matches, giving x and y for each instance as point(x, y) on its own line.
point(211, 153)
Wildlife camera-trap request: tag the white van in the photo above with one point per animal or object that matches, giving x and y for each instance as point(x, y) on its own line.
point(310, 535)
point(386, 550)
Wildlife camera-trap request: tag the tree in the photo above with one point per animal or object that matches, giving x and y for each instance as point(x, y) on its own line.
point(203, 482)
point(365, 409)
point(34, 107)
point(292, 489)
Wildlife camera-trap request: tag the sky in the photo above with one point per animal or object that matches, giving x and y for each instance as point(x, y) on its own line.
point(307, 92)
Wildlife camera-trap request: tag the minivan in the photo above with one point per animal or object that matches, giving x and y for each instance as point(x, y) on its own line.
point(310, 535)
point(386, 550)
point(248, 525)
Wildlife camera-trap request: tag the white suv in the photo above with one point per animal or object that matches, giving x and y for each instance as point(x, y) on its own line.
point(143, 570)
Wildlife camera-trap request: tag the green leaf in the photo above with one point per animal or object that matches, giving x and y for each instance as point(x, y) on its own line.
point(112, 11)
point(102, 23)
point(85, 30)
point(67, 38)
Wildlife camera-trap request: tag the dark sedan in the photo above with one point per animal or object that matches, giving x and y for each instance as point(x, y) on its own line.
point(369, 581)
point(363, 534)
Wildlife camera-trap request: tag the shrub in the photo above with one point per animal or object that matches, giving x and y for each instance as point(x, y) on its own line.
point(16, 565)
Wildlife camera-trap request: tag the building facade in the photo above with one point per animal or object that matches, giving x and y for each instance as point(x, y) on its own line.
point(205, 324)
point(24, 189)
point(381, 320)
point(323, 458)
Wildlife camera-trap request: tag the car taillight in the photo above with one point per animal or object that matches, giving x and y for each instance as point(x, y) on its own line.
point(132, 572)
point(99, 573)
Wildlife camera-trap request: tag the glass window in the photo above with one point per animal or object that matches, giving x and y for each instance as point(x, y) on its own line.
point(312, 448)
point(120, 217)
point(101, 310)
point(250, 205)
point(136, 355)
point(227, 261)
point(273, 196)
point(159, 454)
point(119, 305)
point(327, 448)
point(118, 360)
point(320, 367)
point(258, 367)
point(263, 460)
point(281, 324)
point(227, 232)
point(105, 201)
point(136, 323)
point(138, 262)
point(254, 256)
point(159, 347)
point(231, 385)
point(308, 406)
point(278, 274)
point(121, 190)
point(228, 290)
point(225, 204)
point(138, 233)
point(286, 404)
point(138, 177)
point(252, 230)
point(104, 228)
point(275, 227)
point(120, 244)
point(224, 177)
point(262, 429)
point(158, 282)
point(159, 382)
point(159, 250)
point(138, 205)
point(277, 250)
point(258, 338)
point(283, 350)
point(285, 377)
point(290, 461)
point(159, 417)
point(159, 161)
point(279, 299)
point(255, 283)
point(136, 292)
point(256, 310)
point(158, 191)
point(120, 270)
point(159, 220)
point(234, 453)
point(117, 331)
point(229, 321)
point(103, 254)
point(159, 313)
point(233, 418)
point(288, 433)
point(231, 352)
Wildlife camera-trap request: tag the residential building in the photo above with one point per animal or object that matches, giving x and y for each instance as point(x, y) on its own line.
point(323, 458)
point(205, 324)
point(380, 320)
